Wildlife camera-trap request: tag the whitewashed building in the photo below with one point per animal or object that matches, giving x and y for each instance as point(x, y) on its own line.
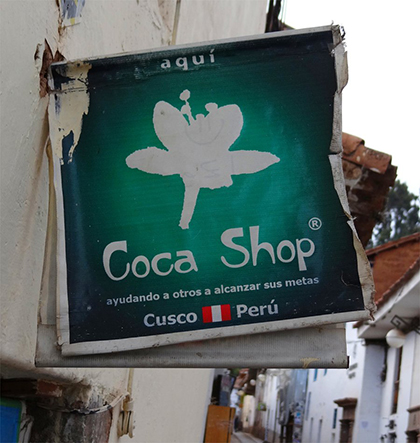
point(377, 399)
point(283, 393)
point(169, 405)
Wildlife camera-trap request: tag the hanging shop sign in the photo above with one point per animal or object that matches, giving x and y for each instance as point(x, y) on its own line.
point(200, 193)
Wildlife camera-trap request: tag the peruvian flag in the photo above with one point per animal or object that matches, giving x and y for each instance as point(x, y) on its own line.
point(212, 314)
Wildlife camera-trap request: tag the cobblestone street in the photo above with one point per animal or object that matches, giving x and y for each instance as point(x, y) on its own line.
point(243, 437)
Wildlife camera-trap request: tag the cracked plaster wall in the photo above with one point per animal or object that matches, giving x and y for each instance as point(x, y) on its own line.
point(218, 19)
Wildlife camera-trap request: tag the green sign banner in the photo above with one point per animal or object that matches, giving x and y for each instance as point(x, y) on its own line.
point(200, 193)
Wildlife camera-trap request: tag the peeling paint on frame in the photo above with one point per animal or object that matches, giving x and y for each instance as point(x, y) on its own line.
point(336, 149)
point(67, 107)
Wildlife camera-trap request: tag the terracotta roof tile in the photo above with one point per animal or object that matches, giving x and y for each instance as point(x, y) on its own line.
point(415, 267)
point(394, 263)
point(393, 244)
point(355, 151)
point(368, 176)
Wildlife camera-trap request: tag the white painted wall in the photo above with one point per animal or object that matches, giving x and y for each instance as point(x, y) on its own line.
point(373, 411)
point(275, 378)
point(332, 385)
point(170, 405)
point(408, 386)
point(368, 412)
point(203, 20)
point(106, 27)
point(248, 412)
point(272, 384)
point(415, 388)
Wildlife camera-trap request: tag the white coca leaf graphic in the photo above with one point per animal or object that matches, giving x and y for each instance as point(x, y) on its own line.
point(249, 162)
point(198, 150)
point(152, 160)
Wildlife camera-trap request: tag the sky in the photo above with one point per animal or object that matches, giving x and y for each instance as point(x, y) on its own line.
point(381, 100)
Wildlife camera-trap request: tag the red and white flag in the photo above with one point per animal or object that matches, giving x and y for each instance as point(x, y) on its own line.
point(212, 314)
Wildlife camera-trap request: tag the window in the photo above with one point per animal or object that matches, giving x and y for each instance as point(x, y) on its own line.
point(334, 423)
point(308, 405)
point(315, 374)
point(311, 429)
point(397, 375)
point(319, 432)
point(325, 372)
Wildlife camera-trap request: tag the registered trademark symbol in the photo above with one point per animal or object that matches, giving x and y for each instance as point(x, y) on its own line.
point(315, 223)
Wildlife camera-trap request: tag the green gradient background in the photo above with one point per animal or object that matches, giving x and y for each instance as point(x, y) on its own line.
point(285, 90)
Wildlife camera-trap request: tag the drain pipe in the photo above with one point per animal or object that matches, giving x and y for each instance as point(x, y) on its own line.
point(176, 22)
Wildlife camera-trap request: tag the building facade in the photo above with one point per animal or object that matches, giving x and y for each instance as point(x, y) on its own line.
point(378, 397)
point(82, 404)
